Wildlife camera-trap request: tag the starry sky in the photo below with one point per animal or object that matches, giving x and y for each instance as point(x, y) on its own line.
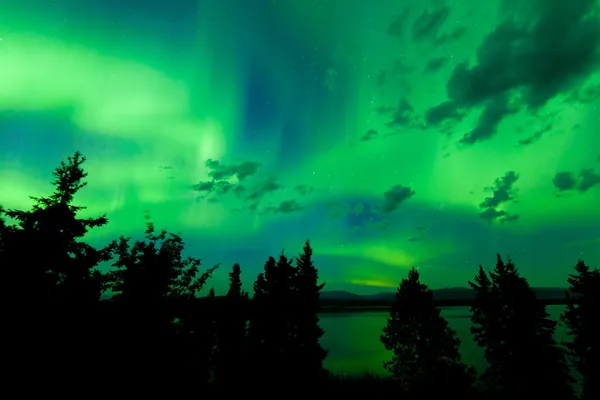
point(432, 133)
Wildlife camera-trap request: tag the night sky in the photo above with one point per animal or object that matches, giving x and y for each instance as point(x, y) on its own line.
point(390, 133)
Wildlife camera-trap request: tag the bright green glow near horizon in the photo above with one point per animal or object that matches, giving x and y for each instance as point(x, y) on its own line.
point(150, 95)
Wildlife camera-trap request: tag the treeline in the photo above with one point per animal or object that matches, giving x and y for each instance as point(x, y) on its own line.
point(157, 332)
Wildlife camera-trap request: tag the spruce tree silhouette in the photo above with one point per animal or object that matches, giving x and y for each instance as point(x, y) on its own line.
point(309, 352)
point(487, 330)
point(524, 359)
point(583, 324)
point(54, 286)
point(156, 286)
point(425, 358)
point(271, 323)
point(231, 357)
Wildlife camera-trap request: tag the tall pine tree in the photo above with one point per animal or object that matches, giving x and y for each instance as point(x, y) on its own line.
point(310, 353)
point(50, 276)
point(425, 358)
point(524, 359)
point(271, 330)
point(583, 324)
point(231, 357)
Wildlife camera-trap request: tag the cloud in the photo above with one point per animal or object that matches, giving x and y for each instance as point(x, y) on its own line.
point(285, 207)
point(221, 183)
point(222, 171)
point(369, 135)
point(289, 206)
point(536, 136)
point(585, 180)
point(453, 35)
point(403, 115)
point(395, 196)
point(304, 189)
point(564, 181)
point(588, 178)
point(398, 25)
point(502, 192)
point(534, 59)
point(435, 64)
point(428, 24)
point(383, 110)
point(260, 190)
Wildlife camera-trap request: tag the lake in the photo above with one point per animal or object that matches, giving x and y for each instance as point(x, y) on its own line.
point(354, 347)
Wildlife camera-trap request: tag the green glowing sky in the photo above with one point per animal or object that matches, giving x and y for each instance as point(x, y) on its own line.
point(390, 133)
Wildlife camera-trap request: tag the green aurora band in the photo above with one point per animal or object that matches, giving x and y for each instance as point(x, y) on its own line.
point(376, 129)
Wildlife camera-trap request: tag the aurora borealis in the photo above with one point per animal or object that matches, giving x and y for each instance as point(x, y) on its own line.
point(390, 133)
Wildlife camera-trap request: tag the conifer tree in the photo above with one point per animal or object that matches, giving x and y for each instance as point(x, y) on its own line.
point(310, 353)
point(156, 286)
point(425, 358)
point(231, 357)
point(51, 262)
point(583, 324)
point(271, 327)
point(525, 361)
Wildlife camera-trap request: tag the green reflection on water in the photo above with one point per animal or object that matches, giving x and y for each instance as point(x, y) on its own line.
point(354, 347)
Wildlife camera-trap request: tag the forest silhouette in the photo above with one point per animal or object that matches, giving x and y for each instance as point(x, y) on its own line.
point(156, 332)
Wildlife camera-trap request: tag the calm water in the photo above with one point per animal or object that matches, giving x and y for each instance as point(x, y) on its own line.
point(354, 347)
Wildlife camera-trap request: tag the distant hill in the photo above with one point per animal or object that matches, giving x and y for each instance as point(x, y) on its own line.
point(457, 293)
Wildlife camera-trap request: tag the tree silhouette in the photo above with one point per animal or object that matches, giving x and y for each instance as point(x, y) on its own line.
point(581, 319)
point(231, 357)
point(424, 349)
point(487, 328)
point(310, 353)
point(50, 277)
point(272, 321)
point(524, 359)
point(60, 267)
point(156, 287)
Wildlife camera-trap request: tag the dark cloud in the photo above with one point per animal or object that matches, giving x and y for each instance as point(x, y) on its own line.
point(502, 192)
point(285, 207)
point(165, 167)
point(289, 206)
point(586, 95)
point(435, 64)
point(403, 115)
point(222, 171)
point(446, 111)
point(304, 189)
point(413, 239)
point(585, 180)
point(428, 23)
point(453, 35)
point(383, 110)
point(395, 196)
point(260, 190)
point(369, 135)
point(215, 188)
point(535, 59)
point(398, 25)
point(564, 181)
point(493, 112)
point(588, 178)
point(204, 186)
point(536, 136)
